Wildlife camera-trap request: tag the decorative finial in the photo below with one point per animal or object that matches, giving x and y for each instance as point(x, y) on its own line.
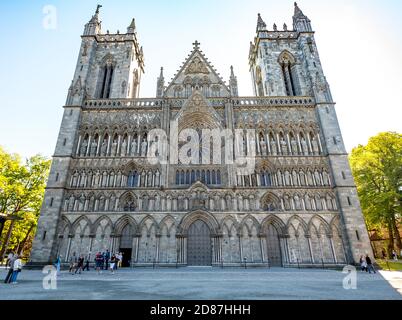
point(196, 45)
point(275, 27)
point(285, 27)
point(97, 8)
point(260, 23)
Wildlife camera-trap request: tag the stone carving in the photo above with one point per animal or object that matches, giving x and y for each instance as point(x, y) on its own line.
point(196, 66)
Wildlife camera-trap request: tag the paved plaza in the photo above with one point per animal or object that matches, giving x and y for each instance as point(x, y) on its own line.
point(204, 283)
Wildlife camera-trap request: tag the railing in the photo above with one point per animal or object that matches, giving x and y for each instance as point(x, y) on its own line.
point(273, 101)
point(214, 102)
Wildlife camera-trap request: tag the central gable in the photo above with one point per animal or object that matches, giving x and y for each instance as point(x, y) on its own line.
point(196, 73)
point(196, 113)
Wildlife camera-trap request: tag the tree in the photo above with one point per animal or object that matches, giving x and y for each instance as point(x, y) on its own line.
point(22, 187)
point(377, 169)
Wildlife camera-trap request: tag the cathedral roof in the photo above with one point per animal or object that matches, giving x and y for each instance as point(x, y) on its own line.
point(197, 68)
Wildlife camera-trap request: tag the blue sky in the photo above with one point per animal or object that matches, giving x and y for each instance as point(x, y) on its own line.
point(359, 43)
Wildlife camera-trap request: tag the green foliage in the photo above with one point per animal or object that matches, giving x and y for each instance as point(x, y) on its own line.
point(377, 170)
point(22, 186)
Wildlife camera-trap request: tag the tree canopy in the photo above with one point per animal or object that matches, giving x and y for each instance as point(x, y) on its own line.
point(377, 170)
point(22, 186)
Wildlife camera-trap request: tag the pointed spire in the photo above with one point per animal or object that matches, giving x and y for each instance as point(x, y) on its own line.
point(298, 12)
point(260, 24)
point(275, 27)
point(160, 85)
point(233, 83)
point(301, 22)
point(131, 27)
point(285, 27)
point(93, 27)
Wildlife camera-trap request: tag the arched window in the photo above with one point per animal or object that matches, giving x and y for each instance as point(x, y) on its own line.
point(288, 65)
point(208, 177)
point(213, 177)
point(218, 177)
point(105, 78)
point(187, 177)
point(177, 177)
point(192, 176)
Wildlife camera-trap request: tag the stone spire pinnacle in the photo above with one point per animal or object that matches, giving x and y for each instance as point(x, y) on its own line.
point(233, 83)
point(160, 85)
point(301, 22)
point(93, 27)
point(260, 24)
point(131, 27)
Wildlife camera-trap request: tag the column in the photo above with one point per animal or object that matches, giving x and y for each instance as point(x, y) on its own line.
point(268, 143)
point(310, 249)
point(128, 145)
point(108, 145)
point(98, 146)
point(319, 143)
point(77, 152)
point(299, 144)
point(118, 146)
point(332, 249)
point(88, 146)
point(278, 144)
point(258, 144)
point(289, 145)
point(288, 80)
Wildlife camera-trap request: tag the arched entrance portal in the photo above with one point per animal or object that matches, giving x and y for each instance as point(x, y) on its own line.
point(199, 249)
point(126, 245)
point(273, 247)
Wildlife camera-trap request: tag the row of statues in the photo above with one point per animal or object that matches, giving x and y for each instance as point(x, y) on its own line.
point(135, 148)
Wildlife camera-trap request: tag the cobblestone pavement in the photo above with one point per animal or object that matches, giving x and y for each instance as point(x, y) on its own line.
point(201, 283)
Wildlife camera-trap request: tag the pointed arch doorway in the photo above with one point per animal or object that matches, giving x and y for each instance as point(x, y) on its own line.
point(199, 248)
point(274, 253)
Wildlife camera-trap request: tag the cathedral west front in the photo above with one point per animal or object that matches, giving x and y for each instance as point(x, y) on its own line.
point(291, 201)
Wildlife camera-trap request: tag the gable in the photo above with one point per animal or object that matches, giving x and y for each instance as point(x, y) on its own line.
point(196, 74)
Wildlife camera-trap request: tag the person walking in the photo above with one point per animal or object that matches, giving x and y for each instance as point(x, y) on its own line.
point(363, 263)
point(10, 270)
point(80, 264)
point(99, 262)
point(58, 265)
point(9, 257)
point(120, 257)
point(106, 258)
point(17, 269)
point(394, 255)
point(86, 267)
point(112, 263)
point(384, 255)
point(369, 264)
point(73, 261)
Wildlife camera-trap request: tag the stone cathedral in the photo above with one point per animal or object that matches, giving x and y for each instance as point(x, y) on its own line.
point(298, 206)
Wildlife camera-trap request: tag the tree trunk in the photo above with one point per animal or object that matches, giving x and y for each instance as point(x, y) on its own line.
point(22, 244)
point(391, 239)
point(396, 233)
point(6, 240)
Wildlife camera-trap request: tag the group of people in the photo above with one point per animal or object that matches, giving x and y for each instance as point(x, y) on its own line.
point(103, 261)
point(366, 264)
point(14, 264)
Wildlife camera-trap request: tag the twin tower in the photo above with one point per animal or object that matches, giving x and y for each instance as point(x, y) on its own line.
point(299, 206)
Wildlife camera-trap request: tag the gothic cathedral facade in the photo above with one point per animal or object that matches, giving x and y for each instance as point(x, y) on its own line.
point(298, 206)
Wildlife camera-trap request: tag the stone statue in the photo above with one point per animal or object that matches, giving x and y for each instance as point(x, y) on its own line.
point(297, 202)
point(284, 147)
point(104, 148)
point(314, 144)
point(133, 150)
point(123, 148)
point(84, 146)
point(114, 148)
point(274, 149)
point(287, 178)
point(143, 148)
point(94, 147)
point(304, 146)
point(263, 147)
point(294, 146)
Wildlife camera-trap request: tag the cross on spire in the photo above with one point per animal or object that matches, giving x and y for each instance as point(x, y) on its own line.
point(97, 8)
point(196, 45)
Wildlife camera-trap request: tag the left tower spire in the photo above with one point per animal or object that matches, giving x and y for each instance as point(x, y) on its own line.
point(93, 27)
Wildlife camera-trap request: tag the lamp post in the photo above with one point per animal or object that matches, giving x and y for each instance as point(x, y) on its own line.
point(245, 263)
